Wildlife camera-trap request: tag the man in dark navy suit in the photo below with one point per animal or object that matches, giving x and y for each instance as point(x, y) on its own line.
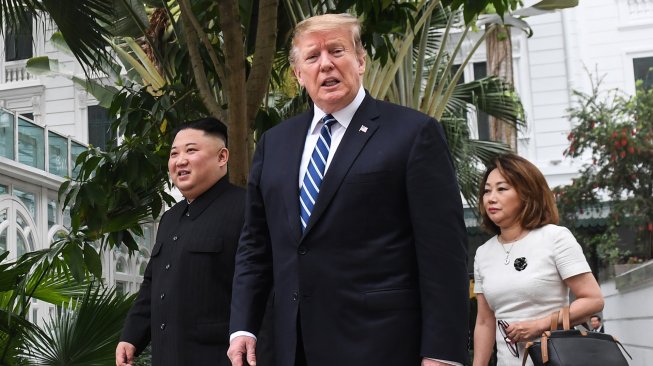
point(354, 217)
point(595, 324)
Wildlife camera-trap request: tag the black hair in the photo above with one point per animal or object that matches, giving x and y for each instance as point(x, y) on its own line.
point(210, 126)
point(595, 316)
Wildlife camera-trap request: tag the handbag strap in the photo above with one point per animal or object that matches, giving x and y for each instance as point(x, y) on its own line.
point(566, 324)
point(545, 347)
point(555, 316)
point(544, 344)
point(622, 347)
point(554, 320)
point(528, 345)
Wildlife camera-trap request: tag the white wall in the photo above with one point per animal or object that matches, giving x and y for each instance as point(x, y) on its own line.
point(628, 315)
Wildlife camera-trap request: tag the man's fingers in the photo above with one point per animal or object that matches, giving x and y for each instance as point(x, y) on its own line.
point(251, 352)
point(242, 351)
point(124, 354)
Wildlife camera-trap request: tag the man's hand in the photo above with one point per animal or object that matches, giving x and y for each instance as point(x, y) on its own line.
point(125, 354)
point(242, 347)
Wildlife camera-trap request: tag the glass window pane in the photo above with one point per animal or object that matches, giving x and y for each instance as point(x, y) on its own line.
point(21, 245)
point(121, 287)
point(642, 68)
point(76, 149)
point(25, 238)
point(4, 189)
point(7, 126)
point(99, 126)
point(4, 226)
point(18, 41)
point(29, 200)
point(31, 144)
point(120, 265)
point(147, 234)
point(141, 269)
point(57, 154)
point(52, 213)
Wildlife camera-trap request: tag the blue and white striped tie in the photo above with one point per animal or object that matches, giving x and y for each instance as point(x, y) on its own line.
point(315, 172)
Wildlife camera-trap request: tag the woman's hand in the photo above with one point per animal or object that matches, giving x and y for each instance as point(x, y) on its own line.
point(527, 330)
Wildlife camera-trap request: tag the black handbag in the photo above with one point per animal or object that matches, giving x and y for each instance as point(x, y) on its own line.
point(572, 347)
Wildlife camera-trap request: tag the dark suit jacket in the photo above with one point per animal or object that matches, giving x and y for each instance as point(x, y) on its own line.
point(183, 302)
point(379, 277)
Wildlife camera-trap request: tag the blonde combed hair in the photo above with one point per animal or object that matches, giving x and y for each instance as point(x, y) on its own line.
point(327, 22)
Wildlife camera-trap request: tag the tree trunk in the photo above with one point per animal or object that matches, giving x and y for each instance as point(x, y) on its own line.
point(265, 48)
point(499, 63)
point(234, 53)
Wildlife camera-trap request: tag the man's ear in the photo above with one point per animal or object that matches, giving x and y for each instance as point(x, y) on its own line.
point(361, 63)
point(223, 156)
point(298, 75)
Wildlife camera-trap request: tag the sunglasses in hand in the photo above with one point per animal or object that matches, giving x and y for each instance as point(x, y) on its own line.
point(503, 326)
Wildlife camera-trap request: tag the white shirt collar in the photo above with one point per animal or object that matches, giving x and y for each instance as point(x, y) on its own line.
point(343, 116)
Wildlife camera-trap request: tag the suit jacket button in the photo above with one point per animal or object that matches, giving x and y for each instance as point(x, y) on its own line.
point(174, 238)
point(167, 266)
point(295, 296)
point(163, 326)
point(302, 250)
point(163, 295)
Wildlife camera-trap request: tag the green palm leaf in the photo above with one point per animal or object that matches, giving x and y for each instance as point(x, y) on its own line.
point(85, 333)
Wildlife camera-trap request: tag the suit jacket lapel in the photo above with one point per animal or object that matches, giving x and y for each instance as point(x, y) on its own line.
point(296, 138)
point(360, 130)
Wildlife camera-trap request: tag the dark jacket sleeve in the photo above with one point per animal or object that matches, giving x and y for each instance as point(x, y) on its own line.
point(253, 272)
point(441, 244)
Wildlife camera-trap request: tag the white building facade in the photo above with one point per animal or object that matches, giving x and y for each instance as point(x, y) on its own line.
point(612, 39)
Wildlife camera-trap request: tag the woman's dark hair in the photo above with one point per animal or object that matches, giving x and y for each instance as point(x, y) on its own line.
point(538, 203)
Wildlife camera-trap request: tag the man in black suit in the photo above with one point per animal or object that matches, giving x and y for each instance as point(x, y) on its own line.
point(595, 324)
point(354, 216)
point(183, 303)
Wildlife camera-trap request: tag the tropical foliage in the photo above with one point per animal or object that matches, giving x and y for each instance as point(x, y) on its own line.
point(614, 131)
point(84, 333)
point(57, 276)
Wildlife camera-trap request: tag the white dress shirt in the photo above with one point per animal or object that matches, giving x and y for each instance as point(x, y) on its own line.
point(343, 118)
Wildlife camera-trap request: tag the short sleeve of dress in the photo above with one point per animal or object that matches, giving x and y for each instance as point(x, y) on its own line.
point(478, 279)
point(569, 257)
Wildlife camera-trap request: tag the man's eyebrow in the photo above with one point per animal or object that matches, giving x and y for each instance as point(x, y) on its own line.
point(188, 144)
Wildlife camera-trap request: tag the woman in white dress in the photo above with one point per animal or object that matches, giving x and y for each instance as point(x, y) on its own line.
point(524, 273)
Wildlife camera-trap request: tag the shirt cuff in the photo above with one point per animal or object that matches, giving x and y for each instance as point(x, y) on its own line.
point(445, 361)
point(241, 333)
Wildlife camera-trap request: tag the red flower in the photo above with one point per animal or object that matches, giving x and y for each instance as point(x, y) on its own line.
point(622, 154)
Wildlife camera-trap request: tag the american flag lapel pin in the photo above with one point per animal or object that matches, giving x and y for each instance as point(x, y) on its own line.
point(363, 129)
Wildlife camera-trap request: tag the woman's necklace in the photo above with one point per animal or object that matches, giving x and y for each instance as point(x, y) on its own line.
point(506, 261)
